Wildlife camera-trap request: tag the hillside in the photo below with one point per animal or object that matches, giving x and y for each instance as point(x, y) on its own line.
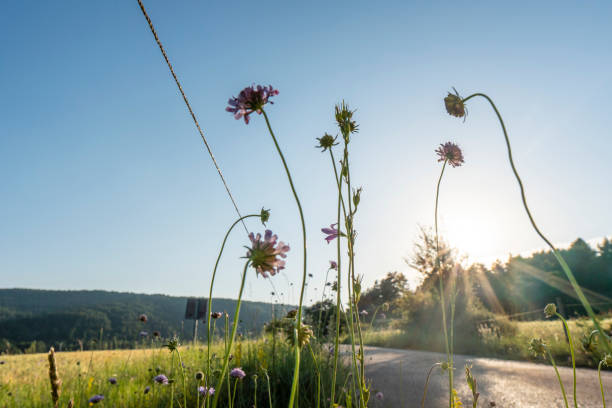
point(37, 319)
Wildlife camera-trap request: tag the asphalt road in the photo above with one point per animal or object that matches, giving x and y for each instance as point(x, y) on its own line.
point(400, 375)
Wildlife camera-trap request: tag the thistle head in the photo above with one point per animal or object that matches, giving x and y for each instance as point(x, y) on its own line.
point(216, 315)
point(537, 347)
point(344, 119)
point(451, 153)
point(143, 318)
point(550, 310)
point(326, 142)
point(264, 253)
point(385, 307)
point(607, 360)
point(454, 105)
point(333, 265)
point(199, 375)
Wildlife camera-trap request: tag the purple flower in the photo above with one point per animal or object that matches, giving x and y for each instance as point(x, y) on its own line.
point(205, 390)
point(144, 333)
point(332, 233)
point(333, 264)
point(450, 152)
point(147, 389)
point(237, 373)
point(363, 313)
point(263, 253)
point(250, 99)
point(112, 380)
point(161, 379)
point(95, 399)
point(379, 395)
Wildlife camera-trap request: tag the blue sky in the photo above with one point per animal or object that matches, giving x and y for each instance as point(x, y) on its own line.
point(106, 184)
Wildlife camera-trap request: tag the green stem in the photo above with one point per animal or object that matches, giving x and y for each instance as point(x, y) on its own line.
point(319, 325)
point(338, 286)
point(269, 390)
point(552, 360)
point(231, 339)
point(427, 384)
point(571, 344)
point(255, 394)
point(234, 393)
point(178, 353)
point(440, 280)
point(314, 360)
point(603, 397)
point(350, 240)
point(296, 371)
point(564, 266)
point(212, 282)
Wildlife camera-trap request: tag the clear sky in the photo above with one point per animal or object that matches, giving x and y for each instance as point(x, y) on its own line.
point(105, 184)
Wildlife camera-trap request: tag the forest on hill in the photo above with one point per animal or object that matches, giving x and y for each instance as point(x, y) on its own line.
point(32, 320)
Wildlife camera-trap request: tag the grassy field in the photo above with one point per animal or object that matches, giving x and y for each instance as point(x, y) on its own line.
point(24, 379)
point(487, 343)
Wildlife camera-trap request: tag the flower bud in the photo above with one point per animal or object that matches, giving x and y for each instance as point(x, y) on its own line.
point(264, 215)
point(550, 310)
point(454, 105)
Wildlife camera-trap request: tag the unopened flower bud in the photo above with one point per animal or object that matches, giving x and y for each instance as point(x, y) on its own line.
point(454, 105)
point(550, 310)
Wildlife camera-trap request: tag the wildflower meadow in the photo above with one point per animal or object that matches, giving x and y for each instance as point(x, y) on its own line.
point(316, 350)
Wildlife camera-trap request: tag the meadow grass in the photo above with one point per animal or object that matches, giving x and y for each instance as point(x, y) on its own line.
point(24, 379)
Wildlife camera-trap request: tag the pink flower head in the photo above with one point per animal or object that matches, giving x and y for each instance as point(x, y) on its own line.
point(450, 152)
point(379, 395)
point(332, 233)
point(264, 254)
point(250, 99)
point(333, 265)
point(237, 373)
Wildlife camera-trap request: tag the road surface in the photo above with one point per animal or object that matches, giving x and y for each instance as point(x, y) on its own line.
point(400, 375)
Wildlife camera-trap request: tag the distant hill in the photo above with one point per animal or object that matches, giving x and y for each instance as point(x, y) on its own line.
point(33, 320)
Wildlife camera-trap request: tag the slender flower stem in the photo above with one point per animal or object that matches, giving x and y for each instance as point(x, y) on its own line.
point(178, 353)
point(269, 391)
point(564, 265)
point(228, 348)
point(319, 325)
point(351, 275)
point(234, 393)
point(338, 281)
point(374, 317)
point(552, 360)
point(427, 384)
point(255, 393)
point(212, 282)
point(296, 371)
point(314, 360)
point(571, 344)
point(603, 397)
point(440, 280)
